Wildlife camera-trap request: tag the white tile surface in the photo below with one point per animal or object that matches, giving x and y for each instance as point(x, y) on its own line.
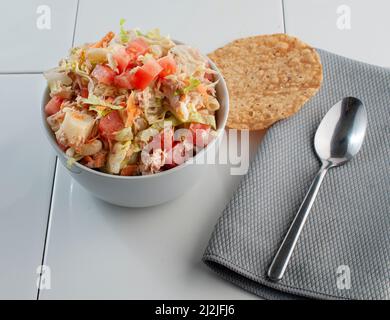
point(203, 24)
point(25, 186)
point(96, 250)
point(25, 47)
point(316, 23)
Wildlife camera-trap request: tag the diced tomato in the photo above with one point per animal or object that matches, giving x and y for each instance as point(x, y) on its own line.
point(142, 79)
point(110, 124)
point(146, 74)
point(200, 134)
point(53, 106)
point(124, 80)
point(103, 74)
point(137, 47)
point(122, 58)
point(168, 64)
point(84, 92)
point(110, 99)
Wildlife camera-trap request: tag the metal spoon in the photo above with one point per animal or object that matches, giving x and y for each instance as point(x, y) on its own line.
point(337, 140)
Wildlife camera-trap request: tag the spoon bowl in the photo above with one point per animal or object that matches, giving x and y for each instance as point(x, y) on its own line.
point(338, 139)
point(340, 134)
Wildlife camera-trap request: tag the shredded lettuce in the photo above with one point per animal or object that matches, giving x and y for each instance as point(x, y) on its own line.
point(123, 34)
point(133, 159)
point(100, 110)
point(153, 34)
point(57, 75)
point(57, 88)
point(159, 101)
point(116, 158)
point(171, 121)
point(124, 135)
point(96, 101)
point(196, 116)
point(101, 107)
point(139, 33)
point(153, 37)
point(54, 85)
point(194, 83)
point(73, 66)
point(154, 118)
point(189, 61)
point(70, 162)
point(154, 129)
point(58, 80)
point(97, 55)
point(204, 119)
point(147, 134)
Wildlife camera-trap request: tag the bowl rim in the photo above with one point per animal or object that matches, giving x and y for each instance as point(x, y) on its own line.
point(220, 132)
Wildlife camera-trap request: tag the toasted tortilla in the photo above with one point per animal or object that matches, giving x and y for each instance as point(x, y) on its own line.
point(269, 78)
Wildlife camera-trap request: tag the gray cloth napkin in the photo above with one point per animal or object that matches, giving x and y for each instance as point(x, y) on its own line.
point(349, 225)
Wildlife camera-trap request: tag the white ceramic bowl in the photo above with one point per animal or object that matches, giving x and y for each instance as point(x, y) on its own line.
point(150, 190)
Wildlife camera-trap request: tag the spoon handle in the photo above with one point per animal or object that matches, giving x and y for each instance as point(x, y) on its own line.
point(282, 257)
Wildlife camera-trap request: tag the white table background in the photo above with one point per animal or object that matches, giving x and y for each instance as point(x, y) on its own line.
point(99, 251)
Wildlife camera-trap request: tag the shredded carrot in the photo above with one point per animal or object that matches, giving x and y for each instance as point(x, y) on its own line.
point(100, 159)
point(87, 159)
point(78, 116)
point(109, 142)
point(103, 43)
point(132, 110)
point(91, 139)
point(202, 89)
point(129, 170)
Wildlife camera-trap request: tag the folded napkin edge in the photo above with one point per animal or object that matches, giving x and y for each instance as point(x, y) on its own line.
point(216, 263)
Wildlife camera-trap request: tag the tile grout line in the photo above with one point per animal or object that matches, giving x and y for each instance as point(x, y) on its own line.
point(75, 22)
point(284, 17)
point(48, 225)
point(20, 73)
